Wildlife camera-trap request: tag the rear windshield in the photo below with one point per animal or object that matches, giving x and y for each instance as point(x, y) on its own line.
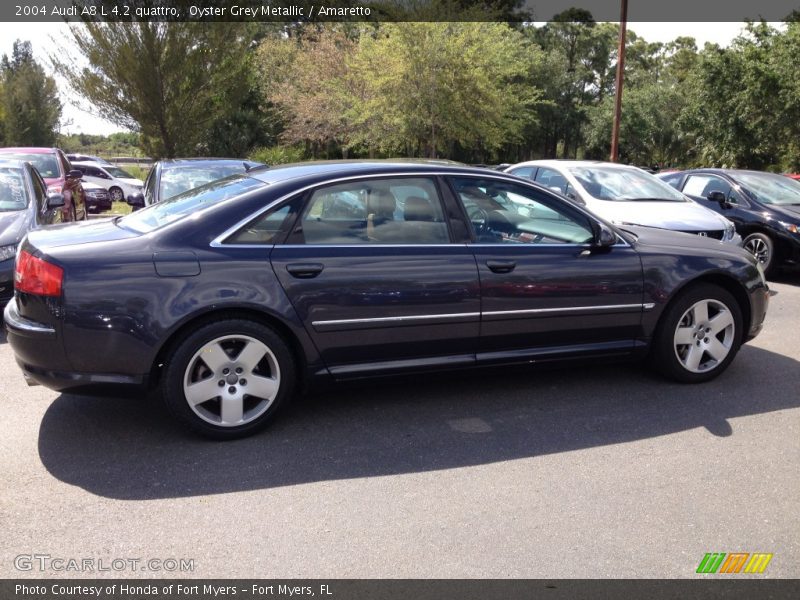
point(12, 190)
point(46, 164)
point(177, 180)
point(182, 205)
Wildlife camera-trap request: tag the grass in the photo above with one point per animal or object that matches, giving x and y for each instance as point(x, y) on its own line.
point(119, 208)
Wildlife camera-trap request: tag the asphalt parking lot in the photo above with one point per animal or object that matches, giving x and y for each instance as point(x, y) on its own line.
point(590, 471)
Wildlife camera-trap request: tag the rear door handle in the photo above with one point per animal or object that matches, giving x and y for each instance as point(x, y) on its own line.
point(501, 266)
point(304, 270)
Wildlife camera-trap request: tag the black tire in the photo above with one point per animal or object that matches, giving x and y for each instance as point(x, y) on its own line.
point(762, 247)
point(116, 194)
point(669, 357)
point(182, 362)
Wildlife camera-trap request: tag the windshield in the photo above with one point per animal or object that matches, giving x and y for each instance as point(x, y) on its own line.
point(615, 183)
point(118, 173)
point(46, 164)
point(12, 190)
point(178, 180)
point(770, 188)
point(178, 207)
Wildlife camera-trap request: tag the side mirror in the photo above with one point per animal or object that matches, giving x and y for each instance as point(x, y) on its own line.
point(720, 198)
point(55, 200)
point(136, 201)
point(605, 237)
point(75, 174)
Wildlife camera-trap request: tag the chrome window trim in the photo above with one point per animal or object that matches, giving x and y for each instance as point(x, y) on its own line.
point(218, 242)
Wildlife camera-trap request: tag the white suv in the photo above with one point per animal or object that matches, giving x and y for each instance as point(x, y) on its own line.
point(627, 195)
point(120, 184)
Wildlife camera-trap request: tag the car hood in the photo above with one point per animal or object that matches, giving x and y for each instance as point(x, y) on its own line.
point(790, 210)
point(82, 232)
point(13, 226)
point(664, 238)
point(679, 216)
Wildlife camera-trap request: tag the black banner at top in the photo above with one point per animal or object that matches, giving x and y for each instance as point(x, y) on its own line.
point(394, 10)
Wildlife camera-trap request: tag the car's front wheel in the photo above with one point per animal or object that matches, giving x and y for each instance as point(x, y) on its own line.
point(762, 247)
point(227, 379)
point(116, 194)
point(699, 334)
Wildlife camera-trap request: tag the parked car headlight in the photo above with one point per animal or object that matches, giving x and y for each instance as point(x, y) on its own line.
point(790, 226)
point(55, 189)
point(730, 231)
point(7, 252)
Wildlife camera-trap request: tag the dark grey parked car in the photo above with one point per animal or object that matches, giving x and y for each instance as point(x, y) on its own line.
point(24, 205)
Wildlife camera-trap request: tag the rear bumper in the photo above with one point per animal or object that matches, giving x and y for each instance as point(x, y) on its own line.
point(40, 354)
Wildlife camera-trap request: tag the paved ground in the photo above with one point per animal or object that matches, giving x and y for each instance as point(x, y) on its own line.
point(583, 472)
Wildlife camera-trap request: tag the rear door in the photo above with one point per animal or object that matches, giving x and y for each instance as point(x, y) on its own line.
point(372, 271)
point(546, 291)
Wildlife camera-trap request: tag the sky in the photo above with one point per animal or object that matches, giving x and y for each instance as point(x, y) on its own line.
point(45, 39)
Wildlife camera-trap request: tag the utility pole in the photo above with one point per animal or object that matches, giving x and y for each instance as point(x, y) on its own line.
point(623, 22)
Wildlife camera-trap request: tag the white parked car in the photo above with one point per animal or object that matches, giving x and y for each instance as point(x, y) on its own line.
point(119, 183)
point(627, 195)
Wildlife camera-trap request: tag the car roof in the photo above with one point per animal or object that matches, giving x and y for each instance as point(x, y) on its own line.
point(31, 150)
point(572, 163)
point(89, 163)
point(178, 162)
point(363, 167)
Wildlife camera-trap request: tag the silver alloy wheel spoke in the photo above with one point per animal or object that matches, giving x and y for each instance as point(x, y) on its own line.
point(214, 356)
point(704, 336)
point(201, 391)
point(251, 355)
point(232, 410)
point(261, 387)
point(227, 391)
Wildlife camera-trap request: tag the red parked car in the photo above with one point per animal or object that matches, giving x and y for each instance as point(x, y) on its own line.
point(58, 174)
point(793, 175)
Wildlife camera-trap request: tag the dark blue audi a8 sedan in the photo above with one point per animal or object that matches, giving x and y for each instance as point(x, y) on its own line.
point(229, 297)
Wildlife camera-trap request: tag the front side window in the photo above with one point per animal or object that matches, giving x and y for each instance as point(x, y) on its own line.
point(39, 190)
point(526, 172)
point(701, 186)
point(116, 172)
point(165, 212)
point(503, 212)
point(552, 179)
point(379, 211)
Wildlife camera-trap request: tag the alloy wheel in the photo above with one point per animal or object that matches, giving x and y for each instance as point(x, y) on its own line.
point(704, 336)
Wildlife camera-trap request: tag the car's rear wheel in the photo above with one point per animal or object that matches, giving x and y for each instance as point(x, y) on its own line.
point(116, 194)
point(699, 334)
point(227, 379)
point(762, 247)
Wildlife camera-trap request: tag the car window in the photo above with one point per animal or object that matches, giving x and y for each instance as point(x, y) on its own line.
point(39, 190)
point(701, 185)
point(552, 179)
point(264, 229)
point(503, 212)
point(12, 189)
point(526, 172)
point(380, 211)
point(117, 172)
point(177, 180)
point(770, 188)
point(150, 186)
point(46, 164)
point(66, 166)
point(674, 180)
point(176, 208)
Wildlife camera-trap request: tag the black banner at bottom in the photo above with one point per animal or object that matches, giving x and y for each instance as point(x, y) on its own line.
point(396, 589)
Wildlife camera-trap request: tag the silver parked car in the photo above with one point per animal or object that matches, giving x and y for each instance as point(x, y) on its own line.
point(627, 195)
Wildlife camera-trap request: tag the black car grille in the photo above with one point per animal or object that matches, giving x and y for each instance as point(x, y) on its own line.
point(715, 233)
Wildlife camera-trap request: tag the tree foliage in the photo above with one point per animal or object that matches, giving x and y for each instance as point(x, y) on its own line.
point(168, 81)
point(31, 108)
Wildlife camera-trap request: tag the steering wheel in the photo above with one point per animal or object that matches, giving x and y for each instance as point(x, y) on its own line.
point(480, 220)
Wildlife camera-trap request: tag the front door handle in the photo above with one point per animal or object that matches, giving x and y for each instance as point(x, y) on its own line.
point(501, 266)
point(304, 270)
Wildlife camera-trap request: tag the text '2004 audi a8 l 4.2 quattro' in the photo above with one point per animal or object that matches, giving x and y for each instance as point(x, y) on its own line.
point(231, 296)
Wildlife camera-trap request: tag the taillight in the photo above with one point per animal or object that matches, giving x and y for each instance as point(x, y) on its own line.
point(36, 276)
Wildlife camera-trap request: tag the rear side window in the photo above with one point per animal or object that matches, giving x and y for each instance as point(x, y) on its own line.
point(162, 213)
point(526, 172)
point(380, 211)
point(702, 185)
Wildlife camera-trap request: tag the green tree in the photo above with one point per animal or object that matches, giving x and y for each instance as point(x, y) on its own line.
point(423, 89)
point(30, 100)
point(168, 81)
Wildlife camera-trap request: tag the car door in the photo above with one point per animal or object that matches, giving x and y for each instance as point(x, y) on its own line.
point(371, 270)
point(698, 186)
point(546, 289)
